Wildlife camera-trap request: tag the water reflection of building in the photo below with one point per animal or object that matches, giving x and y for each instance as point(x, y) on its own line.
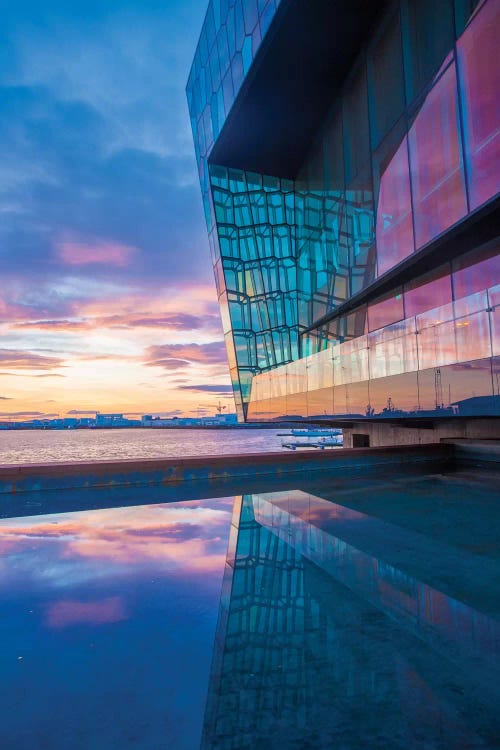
point(354, 224)
point(320, 644)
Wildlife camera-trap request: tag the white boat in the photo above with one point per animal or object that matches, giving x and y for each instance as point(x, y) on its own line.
point(334, 441)
point(317, 432)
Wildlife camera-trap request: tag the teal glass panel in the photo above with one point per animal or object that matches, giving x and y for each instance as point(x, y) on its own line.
point(428, 37)
point(463, 11)
point(355, 126)
point(385, 63)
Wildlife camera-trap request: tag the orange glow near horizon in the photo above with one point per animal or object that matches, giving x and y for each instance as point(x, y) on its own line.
point(132, 353)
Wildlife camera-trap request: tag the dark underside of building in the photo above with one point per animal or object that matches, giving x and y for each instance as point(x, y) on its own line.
point(349, 161)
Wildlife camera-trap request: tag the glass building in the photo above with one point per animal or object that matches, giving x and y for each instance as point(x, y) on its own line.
point(348, 156)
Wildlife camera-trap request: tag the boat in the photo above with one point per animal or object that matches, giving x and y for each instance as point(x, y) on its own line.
point(330, 441)
point(316, 432)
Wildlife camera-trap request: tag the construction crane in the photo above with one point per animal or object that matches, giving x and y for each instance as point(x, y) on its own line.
point(219, 408)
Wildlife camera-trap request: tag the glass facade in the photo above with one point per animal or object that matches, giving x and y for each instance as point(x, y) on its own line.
point(391, 169)
point(417, 358)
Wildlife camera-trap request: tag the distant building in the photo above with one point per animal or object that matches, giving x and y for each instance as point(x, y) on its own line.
point(115, 420)
point(218, 420)
point(349, 158)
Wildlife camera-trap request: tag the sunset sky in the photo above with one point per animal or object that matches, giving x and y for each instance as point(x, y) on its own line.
point(107, 299)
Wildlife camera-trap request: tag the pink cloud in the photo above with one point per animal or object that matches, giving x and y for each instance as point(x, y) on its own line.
point(72, 612)
point(205, 354)
point(84, 253)
point(174, 321)
point(20, 359)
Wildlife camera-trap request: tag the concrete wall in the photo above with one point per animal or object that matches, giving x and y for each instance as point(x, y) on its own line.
point(382, 434)
point(211, 470)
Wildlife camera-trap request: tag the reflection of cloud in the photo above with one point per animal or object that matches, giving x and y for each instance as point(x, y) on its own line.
point(185, 537)
point(70, 612)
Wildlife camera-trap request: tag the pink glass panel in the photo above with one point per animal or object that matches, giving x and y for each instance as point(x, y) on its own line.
point(387, 311)
point(425, 296)
point(436, 169)
point(475, 278)
point(479, 86)
point(394, 231)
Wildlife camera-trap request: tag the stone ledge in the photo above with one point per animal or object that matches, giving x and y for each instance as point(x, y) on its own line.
point(144, 472)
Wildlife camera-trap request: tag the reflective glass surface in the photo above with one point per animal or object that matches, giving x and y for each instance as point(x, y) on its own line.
point(385, 63)
point(434, 359)
point(394, 229)
point(427, 38)
point(386, 311)
point(435, 160)
point(480, 83)
point(422, 294)
point(473, 274)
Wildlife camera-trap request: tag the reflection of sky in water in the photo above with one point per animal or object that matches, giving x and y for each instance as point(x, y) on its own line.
point(107, 625)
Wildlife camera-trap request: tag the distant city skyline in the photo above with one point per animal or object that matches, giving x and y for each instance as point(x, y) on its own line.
point(108, 301)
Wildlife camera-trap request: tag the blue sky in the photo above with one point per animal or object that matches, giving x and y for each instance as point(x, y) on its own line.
point(103, 249)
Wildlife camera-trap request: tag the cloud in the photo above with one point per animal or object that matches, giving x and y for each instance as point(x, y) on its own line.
point(103, 245)
point(204, 354)
point(84, 253)
point(174, 321)
point(25, 360)
point(170, 364)
point(219, 389)
point(40, 414)
point(69, 612)
point(68, 186)
point(81, 411)
point(5, 398)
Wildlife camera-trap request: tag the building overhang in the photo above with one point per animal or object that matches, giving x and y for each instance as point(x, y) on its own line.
point(301, 64)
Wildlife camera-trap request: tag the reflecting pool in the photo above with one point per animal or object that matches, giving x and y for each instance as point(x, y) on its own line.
point(107, 622)
point(348, 613)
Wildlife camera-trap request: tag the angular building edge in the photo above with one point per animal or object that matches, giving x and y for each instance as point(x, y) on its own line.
point(354, 226)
